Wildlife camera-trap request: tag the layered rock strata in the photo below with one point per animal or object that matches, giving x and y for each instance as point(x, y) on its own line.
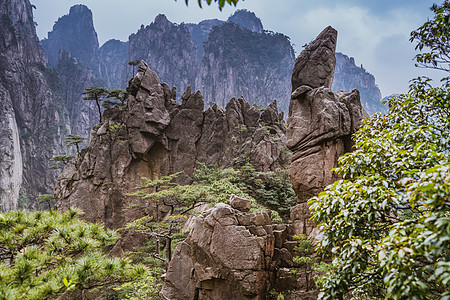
point(320, 123)
point(157, 136)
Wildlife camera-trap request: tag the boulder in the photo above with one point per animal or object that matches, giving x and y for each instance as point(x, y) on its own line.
point(241, 204)
point(221, 259)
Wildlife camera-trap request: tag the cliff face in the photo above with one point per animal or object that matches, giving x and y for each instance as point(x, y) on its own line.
point(74, 78)
point(31, 115)
point(75, 33)
point(199, 33)
point(237, 61)
point(169, 51)
point(349, 76)
point(156, 136)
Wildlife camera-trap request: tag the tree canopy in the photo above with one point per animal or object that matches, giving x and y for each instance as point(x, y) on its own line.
point(386, 225)
point(44, 254)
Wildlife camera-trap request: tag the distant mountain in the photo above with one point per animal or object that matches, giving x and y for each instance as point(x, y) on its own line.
point(348, 76)
point(75, 33)
point(247, 19)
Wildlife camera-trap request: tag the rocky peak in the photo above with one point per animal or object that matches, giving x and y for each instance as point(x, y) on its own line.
point(320, 124)
point(247, 19)
point(113, 59)
point(168, 49)
point(199, 33)
point(73, 32)
point(314, 67)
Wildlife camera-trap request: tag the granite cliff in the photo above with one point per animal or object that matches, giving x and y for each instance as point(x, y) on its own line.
point(32, 117)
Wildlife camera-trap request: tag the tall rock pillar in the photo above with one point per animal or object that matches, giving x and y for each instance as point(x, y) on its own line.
point(320, 124)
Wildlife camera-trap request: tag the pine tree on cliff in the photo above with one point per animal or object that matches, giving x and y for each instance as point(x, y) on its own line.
point(97, 94)
point(133, 63)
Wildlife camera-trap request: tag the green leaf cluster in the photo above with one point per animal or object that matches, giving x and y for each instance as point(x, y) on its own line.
point(45, 254)
point(387, 224)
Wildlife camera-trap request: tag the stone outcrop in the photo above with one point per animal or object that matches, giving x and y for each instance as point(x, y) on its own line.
point(227, 255)
point(32, 124)
point(320, 123)
point(233, 254)
point(157, 136)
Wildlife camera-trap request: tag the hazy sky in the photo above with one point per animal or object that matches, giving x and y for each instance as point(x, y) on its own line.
point(374, 32)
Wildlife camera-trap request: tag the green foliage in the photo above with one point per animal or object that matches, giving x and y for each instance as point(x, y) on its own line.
point(387, 224)
point(434, 36)
point(73, 139)
point(134, 63)
point(270, 189)
point(97, 94)
point(61, 160)
point(119, 97)
point(48, 199)
point(45, 254)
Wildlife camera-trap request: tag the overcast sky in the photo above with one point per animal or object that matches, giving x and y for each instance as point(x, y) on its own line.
point(374, 32)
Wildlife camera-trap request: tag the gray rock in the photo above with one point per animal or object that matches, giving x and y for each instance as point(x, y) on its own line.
point(220, 260)
point(314, 67)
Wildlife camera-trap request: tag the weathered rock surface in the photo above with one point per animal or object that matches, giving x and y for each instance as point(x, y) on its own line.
point(74, 78)
point(157, 136)
point(314, 67)
point(113, 59)
point(320, 124)
point(223, 257)
point(32, 123)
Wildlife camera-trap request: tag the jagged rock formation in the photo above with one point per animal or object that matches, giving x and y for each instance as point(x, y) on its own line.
point(232, 254)
point(157, 136)
point(320, 123)
point(75, 33)
point(169, 51)
point(348, 76)
point(31, 116)
point(258, 71)
point(247, 19)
